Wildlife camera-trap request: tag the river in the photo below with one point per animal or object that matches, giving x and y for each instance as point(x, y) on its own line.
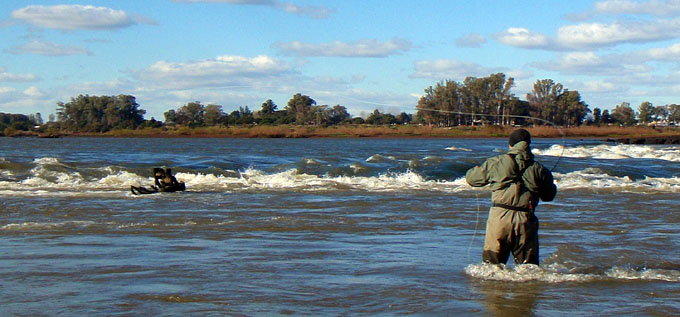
point(328, 227)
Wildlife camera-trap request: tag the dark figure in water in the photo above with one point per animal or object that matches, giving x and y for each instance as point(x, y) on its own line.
point(164, 182)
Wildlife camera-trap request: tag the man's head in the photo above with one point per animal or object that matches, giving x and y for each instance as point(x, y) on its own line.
point(518, 136)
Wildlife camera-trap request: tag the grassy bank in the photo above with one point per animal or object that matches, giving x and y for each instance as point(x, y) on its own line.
point(351, 131)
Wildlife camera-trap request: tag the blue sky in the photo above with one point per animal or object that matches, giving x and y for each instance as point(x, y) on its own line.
point(364, 55)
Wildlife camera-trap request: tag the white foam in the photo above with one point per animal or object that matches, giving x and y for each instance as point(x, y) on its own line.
point(44, 225)
point(377, 158)
point(645, 274)
point(594, 178)
point(47, 161)
point(454, 148)
point(47, 182)
point(292, 180)
point(618, 151)
point(556, 273)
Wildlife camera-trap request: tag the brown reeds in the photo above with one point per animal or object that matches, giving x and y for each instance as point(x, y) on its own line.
point(370, 131)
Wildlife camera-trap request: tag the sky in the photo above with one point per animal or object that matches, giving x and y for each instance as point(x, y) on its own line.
point(364, 55)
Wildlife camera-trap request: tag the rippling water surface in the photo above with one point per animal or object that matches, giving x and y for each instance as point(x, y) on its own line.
point(327, 227)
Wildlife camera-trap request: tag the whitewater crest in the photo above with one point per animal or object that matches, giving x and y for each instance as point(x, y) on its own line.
point(616, 152)
point(556, 273)
point(49, 180)
point(454, 148)
point(595, 178)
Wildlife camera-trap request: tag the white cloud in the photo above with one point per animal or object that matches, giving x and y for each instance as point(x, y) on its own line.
point(671, 53)
point(588, 36)
point(9, 77)
point(591, 64)
point(598, 86)
point(442, 69)
point(602, 34)
point(33, 92)
point(48, 48)
point(5, 90)
point(521, 37)
point(654, 7)
point(363, 48)
point(222, 71)
point(77, 17)
point(316, 12)
point(471, 40)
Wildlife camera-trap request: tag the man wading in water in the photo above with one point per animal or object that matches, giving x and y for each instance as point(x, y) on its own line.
point(517, 182)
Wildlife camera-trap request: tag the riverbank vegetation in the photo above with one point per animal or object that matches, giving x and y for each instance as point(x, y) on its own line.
point(475, 107)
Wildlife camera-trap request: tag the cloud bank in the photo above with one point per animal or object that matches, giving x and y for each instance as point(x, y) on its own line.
point(77, 17)
point(362, 48)
point(48, 49)
point(315, 12)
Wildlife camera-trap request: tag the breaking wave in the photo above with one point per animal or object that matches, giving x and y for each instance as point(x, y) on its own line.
point(618, 151)
point(556, 273)
point(594, 178)
point(49, 176)
point(453, 148)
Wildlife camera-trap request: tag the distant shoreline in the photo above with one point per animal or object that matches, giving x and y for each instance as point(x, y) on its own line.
point(366, 131)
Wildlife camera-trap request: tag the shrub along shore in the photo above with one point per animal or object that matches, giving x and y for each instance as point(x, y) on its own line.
point(373, 131)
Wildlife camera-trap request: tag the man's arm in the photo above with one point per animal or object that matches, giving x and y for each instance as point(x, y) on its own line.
point(478, 176)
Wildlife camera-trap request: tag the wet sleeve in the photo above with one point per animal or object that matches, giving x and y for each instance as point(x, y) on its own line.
point(478, 176)
point(548, 189)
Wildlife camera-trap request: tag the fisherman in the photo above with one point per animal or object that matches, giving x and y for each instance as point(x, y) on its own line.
point(517, 183)
point(166, 182)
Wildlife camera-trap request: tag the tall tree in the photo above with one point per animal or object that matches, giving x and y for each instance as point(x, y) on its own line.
point(606, 117)
point(571, 111)
point(213, 115)
point(300, 106)
point(543, 98)
point(645, 112)
point(597, 116)
point(192, 114)
point(624, 114)
point(674, 113)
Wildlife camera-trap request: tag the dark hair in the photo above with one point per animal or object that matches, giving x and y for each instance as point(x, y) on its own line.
point(518, 136)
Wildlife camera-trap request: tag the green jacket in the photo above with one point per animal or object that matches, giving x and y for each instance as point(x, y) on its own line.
point(514, 178)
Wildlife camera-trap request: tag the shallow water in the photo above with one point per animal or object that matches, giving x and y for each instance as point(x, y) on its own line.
point(327, 227)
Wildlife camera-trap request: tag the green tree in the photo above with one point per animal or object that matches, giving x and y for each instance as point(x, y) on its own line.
point(404, 118)
point(192, 114)
point(170, 116)
point(100, 114)
point(300, 106)
point(597, 116)
point(519, 109)
point(268, 107)
point(606, 117)
point(269, 115)
point(543, 98)
point(674, 113)
point(338, 114)
point(660, 113)
point(624, 114)
point(213, 115)
point(645, 112)
point(571, 111)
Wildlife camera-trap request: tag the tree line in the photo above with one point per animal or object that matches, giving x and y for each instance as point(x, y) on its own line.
point(483, 100)
point(488, 100)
